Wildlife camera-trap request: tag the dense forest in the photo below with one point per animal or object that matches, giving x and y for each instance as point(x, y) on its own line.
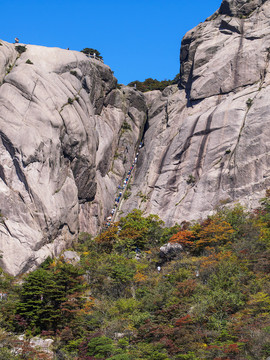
point(206, 297)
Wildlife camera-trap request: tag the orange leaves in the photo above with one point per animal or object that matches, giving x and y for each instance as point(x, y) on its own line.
point(131, 233)
point(214, 232)
point(214, 258)
point(139, 277)
point(183, 237)
point(108, 238)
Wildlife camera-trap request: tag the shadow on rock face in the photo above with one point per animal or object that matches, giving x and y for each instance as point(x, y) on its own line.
point(239, 8)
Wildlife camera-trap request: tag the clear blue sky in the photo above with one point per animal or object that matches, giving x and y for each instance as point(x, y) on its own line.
point(137, 38)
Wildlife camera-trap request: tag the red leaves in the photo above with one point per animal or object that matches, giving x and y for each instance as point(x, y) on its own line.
point(183, 321)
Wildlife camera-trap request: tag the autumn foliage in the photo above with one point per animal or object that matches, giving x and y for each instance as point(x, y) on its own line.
point(183, 237)
point(123, 301)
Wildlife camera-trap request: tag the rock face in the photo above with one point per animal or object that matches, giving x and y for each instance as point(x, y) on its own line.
point(61, 126)
point(207, 141)
point(69, 134)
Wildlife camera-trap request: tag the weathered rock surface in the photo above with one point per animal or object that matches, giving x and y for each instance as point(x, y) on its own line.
point(170, 251)
point(69, 135)
point(71, 257)
point(61, 126)
point(208, 141)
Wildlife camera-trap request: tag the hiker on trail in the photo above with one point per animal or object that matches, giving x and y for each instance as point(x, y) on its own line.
point(16, 40)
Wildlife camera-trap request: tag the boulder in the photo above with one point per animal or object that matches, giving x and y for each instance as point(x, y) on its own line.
point(170, 251)
point(71, 257)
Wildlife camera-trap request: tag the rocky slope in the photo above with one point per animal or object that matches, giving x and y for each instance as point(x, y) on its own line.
point(69, 135)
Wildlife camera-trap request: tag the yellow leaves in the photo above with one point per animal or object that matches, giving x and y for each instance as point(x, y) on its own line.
point(88, 306)
point(108, 238)
point(207, 235)
point(264, 232)
point(53, 263)
point(259, 305)
point(214, 258)
point(214, 232)
point(139, 277)
point(260, 299)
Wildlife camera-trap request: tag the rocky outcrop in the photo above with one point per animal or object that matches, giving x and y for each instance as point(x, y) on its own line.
point(69, 134)
point(170, 251)
point(207, 143)
point(239, 8)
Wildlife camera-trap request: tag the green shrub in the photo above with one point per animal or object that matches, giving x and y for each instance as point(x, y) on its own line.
point(126, 126)
point(100, 347)
point(28, 61)
point(191, 180)
point(249, 102)
point(153, 84)
point(127, 194)
point(20, 49)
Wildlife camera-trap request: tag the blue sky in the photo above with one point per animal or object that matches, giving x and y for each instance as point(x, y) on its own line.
point(137, 38)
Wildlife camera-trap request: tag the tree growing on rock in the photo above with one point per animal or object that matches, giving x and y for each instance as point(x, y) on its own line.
point(90, 51)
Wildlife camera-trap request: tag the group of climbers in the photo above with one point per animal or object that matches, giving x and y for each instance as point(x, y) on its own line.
point(121, 189)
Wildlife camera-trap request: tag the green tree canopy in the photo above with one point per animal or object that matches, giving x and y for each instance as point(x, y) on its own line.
point(90, 51)
point(153, 84)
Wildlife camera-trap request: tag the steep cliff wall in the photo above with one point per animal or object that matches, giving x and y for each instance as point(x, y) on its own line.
point(69, 134)
point(208, 141)
point(61, 126)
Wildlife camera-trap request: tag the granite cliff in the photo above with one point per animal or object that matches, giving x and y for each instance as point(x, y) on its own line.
point(69, 135)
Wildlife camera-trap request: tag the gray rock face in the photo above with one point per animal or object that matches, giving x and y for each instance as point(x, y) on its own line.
point(225, 53)
point(71, 257)
point(69, 134)
point(170, 251)
point(239, 8)
point(207, 143)
point(61, 126)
